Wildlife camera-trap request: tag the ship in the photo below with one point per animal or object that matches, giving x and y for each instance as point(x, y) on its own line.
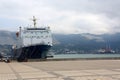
point(32, 42)
point(107, 49)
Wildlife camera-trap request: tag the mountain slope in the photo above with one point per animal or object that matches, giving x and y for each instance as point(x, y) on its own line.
point(7, 38)
point(87, 41)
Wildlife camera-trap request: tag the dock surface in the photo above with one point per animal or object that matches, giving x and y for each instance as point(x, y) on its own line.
point(61, 70)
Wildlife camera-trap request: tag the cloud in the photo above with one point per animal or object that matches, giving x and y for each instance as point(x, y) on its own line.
point(93, 37)
point(64, 16)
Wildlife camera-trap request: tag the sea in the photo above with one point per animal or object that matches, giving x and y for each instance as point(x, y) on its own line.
point(84, 56)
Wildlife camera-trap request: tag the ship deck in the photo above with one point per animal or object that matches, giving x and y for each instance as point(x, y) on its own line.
point(61, 70)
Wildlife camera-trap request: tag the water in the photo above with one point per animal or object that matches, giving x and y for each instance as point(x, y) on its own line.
point(67, 56)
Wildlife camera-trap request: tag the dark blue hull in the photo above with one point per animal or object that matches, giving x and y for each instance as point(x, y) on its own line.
point(32, 52)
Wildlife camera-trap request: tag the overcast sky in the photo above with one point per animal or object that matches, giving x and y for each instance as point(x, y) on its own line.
point(63, 16)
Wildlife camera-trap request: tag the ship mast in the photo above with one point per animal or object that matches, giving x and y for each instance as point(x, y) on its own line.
point(34, 21)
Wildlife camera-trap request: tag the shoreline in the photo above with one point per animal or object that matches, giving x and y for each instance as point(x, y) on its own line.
point(71, 59)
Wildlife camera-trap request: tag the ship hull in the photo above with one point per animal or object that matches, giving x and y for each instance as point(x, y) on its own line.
point(32, 52)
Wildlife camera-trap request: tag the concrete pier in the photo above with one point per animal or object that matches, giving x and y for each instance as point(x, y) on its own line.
point(61, 70)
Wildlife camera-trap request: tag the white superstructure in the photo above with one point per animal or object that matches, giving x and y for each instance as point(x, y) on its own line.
point(36, 36)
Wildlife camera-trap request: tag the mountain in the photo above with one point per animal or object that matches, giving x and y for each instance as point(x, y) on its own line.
point(73, 42)
point(7, 38)
point(87, 42)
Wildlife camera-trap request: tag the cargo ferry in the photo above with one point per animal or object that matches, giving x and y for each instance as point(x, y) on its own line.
point(32, 42)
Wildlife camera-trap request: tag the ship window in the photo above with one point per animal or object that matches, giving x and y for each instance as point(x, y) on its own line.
point(36, 33)
point(48, 42)
point(38, 37)
point(32, 36)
